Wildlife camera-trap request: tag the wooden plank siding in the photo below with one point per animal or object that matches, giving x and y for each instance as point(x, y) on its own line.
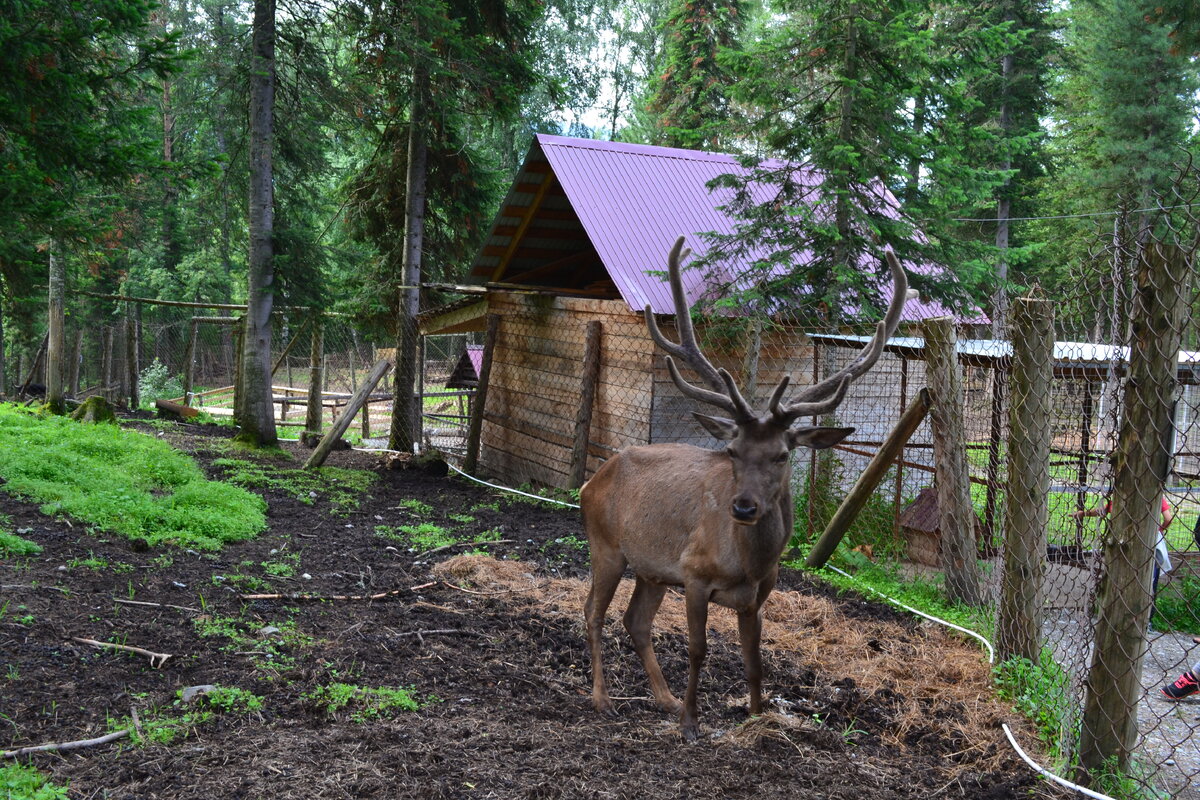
point(528, 425)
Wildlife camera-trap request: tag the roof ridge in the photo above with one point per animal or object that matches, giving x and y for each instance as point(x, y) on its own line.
point(634, 148)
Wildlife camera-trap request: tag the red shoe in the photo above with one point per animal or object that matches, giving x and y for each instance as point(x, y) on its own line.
point(1186, 686)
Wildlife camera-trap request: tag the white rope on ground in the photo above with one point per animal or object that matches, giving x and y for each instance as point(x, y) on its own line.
point(991, 660)
point(990, 650)
point(477, 480)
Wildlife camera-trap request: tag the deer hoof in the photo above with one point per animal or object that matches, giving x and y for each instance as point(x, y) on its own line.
point(672, 705)
point(604, 706)
point(691, 732)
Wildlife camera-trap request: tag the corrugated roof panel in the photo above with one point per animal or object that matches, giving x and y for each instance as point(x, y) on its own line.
point(634, 201)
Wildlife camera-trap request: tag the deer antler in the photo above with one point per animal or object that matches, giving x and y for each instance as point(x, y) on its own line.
point(725, 394)
point(823, 397)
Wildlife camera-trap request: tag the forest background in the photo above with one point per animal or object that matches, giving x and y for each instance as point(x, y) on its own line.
point(338, 154)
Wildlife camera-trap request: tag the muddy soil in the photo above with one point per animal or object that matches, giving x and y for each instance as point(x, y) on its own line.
point(495, 657)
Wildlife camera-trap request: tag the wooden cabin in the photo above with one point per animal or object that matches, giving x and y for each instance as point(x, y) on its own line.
point(581, 240)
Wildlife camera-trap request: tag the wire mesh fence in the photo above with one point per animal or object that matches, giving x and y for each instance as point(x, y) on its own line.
point(1081, 444)
point(1100, 422)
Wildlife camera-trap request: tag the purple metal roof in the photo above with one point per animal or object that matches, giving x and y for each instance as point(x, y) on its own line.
point(634, 200)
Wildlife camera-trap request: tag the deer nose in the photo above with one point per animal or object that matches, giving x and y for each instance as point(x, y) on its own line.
point(744, 509)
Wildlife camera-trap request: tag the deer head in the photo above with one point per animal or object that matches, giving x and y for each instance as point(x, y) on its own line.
point(759, 443)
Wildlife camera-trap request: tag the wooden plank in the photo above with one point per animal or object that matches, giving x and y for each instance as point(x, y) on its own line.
point(587, 396)
point(342, 423)
point(868, 481)
point(474, 430)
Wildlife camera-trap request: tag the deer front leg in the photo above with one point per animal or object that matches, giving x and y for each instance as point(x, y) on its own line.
point(697, 596)
point(647, 597)
point(750, 633)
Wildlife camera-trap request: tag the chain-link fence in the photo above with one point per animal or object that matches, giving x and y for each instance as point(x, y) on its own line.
point(1081, 456)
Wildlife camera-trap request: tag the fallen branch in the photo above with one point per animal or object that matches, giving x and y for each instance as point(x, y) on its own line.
point(419, 556)
point(156, 659)
point(59, 747)
point(155, 605)
point(335, 597)
point(11, 586)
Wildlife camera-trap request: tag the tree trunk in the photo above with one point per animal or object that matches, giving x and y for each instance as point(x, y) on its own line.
point(1124, 597)
point(3, 363)
point(55, 346)
point(1003, 210)
point(76, 364)
point(1021, 596)
point(256, 414)
point(950, 458)
point(404, 408)
point(316, 377)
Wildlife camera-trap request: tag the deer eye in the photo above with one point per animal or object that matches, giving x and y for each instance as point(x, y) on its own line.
point(781, 459)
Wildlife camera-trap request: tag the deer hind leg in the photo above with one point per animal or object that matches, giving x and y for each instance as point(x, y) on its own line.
point(639, 617)
point(606, 574)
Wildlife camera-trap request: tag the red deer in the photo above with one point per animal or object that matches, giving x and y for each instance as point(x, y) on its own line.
point(713, 522)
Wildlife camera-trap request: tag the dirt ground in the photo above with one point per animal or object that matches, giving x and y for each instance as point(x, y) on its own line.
point(868, 703)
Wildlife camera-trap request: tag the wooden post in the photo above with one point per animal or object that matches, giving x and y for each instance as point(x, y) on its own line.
point(347, 416)
point(899, 492)
point(475, 430)
point(1019, 629)
point(76, 363)
point(1085, 452)
point(1124, 597)
point(419, 404)
point(993, 464)
point(869, 480)
point(312, 418)
point(944, 376)
point(55, 323)
point(106, 363)
point(131, 359)
point(189, 363)
point(587, 396)
point(239, 358)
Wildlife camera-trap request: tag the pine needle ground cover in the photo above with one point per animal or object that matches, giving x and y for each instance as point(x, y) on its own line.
point(121, 481)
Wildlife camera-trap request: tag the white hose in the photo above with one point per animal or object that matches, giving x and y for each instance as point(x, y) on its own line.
point(990, 650)
point(1050, 775)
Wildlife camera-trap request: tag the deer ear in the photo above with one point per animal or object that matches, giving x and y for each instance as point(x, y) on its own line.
point(817, 438)
point(719, 427)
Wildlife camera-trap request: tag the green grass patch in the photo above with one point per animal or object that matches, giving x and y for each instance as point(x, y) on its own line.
point(428, 536)
point(170, 725)
point(365, 703)
point(1041, 691)
point(121, 481)
point(272, 646)
point(1177, 604)
point(19, 782)
point(342, 488)
point(12, 544)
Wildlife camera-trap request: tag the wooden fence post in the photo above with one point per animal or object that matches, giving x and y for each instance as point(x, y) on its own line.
point(1109, 730)
point(867, 482)
point(189, 363)
point(316, 378)
point(587, 397)
point(475, 431)
point(347, 416)
point(952, 479)
point(1029, 414)
point(131, 359)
